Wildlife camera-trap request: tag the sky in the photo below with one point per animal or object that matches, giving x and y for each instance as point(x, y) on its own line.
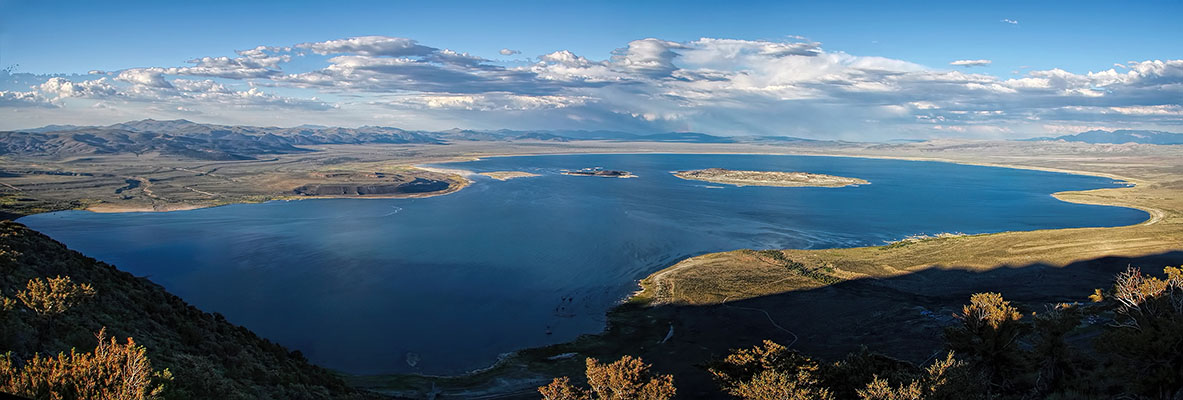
point(826, 70)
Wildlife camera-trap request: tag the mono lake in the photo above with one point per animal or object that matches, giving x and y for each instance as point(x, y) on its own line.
point(452, 281)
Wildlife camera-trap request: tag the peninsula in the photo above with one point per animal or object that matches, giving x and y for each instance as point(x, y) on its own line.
point(767, 178)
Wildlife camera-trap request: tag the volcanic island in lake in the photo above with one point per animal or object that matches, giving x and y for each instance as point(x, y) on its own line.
point(600, 172)
point(767, 178)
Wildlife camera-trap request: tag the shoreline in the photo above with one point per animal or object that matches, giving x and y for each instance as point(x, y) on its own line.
point(453, 187)
point(190, 207)
point(643, 295)
point(639, 294)
point(1154, 214)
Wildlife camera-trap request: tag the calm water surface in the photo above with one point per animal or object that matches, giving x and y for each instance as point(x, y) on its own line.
point(453, 281)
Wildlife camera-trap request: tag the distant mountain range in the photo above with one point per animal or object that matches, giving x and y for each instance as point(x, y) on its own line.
point(235, 142)
point(1120, 136)
point(190, 139)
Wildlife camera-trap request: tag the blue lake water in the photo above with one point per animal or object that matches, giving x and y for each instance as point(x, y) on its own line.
point(455, 280)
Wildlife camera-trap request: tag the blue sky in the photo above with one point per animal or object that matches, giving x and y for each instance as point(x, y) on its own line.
point(919, 39)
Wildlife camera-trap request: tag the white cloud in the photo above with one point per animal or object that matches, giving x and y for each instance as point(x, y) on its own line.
point(1009, 21)
point(565, 57)
point(1069, 129)
point(486, 102)
point(10, 98)
point(232, 68)
point(1173, 110)
point(509, 52)
point(147, 86)
point(151, 77)
point(447, 56)
point(649, 57)
point(370, 46)
point(719, 85)
point(970, 63)
point(60, 88)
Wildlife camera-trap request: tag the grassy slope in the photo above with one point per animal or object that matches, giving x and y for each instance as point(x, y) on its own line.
point(714, 278)
point(209, 357)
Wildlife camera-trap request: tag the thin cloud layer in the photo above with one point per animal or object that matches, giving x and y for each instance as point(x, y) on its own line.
point(722, 86)
point(970, 63)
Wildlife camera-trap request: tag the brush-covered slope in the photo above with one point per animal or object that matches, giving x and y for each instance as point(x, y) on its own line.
point(209, 357)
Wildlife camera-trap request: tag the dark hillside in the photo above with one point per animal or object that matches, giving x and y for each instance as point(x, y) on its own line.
point(209, 357)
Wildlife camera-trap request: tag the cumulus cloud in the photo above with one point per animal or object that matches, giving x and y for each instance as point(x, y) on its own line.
point(148, 86)
point(970, 63)
point(370, 46)
point(509, 52)
point(726, 86)
point(151, 77)
point(1009, 21)
point(257, 63)
point(439, 73)
point(59, 88)
point(649, 57)
point(11, 98)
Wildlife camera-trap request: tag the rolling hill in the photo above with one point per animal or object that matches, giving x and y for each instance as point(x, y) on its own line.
point(192, 140)
point(1120, 136)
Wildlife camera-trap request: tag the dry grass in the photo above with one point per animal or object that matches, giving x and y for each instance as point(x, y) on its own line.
point(735, 275)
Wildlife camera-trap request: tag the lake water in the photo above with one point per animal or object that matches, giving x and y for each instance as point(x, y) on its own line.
point(455, 280)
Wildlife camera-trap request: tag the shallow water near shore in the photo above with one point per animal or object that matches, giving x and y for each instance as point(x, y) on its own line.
point(363, 286)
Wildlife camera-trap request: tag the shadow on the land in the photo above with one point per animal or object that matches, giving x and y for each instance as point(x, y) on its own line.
point(901, 316)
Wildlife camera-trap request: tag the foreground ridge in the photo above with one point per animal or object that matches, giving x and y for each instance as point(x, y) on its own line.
point(208, 356)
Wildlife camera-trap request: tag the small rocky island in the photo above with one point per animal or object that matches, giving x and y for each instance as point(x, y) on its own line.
point(767, 178)
point(600, 172)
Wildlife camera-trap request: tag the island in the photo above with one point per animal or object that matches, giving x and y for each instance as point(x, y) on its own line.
point(416, 186)
point(402, 181)
point(767, 178)
point(600, 172)
point(507, 175)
